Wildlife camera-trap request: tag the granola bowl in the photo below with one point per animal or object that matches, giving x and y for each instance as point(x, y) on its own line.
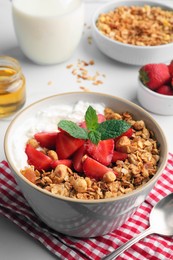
point(101, 207)
point(122, 39)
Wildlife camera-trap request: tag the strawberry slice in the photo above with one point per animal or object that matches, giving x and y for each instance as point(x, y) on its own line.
point(128, 133)
point(94, 169)
point(66, 162)
point(66, 145)
point(102, 152)
point(119, 156)
point(38, 159)
point(77, 158)
point(46, 139)
point(101, 118)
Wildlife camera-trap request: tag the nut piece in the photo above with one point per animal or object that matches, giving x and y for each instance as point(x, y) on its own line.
point(52, 154)
point(33, 142)
point(123, 144)
point(109, 177)
point(62, 173)
point(80, 185)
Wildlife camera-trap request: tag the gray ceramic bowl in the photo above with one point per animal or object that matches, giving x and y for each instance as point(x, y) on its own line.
point(128, 53)
point(76, 217)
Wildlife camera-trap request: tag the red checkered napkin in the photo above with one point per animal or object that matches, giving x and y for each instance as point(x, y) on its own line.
point(14, 206)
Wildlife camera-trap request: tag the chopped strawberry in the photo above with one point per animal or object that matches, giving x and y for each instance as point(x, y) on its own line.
point(77, 158)
point(94, 169)
point(102, 152)
point(101, 118)
point(119, 156)
point(66, 145)
point(46, 139)
point(128, 133)
point(38, 159)
point(154, 75)
point(170, 67)
point(165, 90)
point(66, 162)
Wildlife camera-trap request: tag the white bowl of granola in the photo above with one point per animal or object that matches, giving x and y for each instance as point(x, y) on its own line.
point(134, 32)
point(85, 189)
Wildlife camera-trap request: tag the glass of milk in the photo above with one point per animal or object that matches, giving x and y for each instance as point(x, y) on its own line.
point(48, 31)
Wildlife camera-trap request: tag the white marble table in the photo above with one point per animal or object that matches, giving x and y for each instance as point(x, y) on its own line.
point(43, 81)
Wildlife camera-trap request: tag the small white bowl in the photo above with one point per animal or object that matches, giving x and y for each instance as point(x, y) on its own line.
point(154, 102)
point(127, 53)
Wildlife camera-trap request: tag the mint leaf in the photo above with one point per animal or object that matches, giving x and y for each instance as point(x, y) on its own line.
point(94, 136)
point(91, 119)
point(73, 129)
point(112, 128)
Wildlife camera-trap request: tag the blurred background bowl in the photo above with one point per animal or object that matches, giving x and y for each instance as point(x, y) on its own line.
point(77, 217)
point(154, 102)
point(128, 53)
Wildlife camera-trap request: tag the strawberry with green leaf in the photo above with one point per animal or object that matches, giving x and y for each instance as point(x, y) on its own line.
point(154, 75)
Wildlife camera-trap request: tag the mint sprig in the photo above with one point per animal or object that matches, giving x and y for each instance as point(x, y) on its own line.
point(112, 128)
point(91, 119)
point(95, 131)
point(73, 129)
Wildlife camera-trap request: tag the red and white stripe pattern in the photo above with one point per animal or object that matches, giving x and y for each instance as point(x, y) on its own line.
point(14, 206)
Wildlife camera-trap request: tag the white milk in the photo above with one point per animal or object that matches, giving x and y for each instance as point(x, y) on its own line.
point(48, 31)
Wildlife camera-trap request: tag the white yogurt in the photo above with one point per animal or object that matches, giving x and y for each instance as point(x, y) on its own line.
point(48, 31)
point(47, 120)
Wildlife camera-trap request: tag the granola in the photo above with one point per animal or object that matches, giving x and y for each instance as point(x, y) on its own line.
point(138, 25)
point(136, 170)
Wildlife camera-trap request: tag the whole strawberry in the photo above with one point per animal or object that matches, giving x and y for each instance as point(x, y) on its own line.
point(154, 75)
point(165, 90)
point(170, 67)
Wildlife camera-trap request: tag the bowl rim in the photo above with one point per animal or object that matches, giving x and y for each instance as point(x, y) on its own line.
point(120, 3)
point(145, 88)
point(74, 200)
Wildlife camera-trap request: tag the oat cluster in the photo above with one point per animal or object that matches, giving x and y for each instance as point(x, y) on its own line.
point(138, 25)
point(139, 167)
point(82, 73)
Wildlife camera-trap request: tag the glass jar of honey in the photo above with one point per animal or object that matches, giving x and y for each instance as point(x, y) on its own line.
point(12, 86)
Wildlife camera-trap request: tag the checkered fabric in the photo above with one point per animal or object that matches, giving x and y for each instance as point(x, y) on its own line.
point(154, 247)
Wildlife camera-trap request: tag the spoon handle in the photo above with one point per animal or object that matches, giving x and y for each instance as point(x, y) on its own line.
point(128, 244)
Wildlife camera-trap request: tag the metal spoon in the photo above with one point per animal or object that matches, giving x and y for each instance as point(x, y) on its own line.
point(161, 223)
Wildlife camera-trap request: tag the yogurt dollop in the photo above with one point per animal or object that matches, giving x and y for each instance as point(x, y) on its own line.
point(46, 120)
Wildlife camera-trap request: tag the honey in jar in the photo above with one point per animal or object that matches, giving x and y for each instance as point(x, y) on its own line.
point(12, 86)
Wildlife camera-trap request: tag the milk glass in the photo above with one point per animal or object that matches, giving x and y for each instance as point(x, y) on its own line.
point(48, 31)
